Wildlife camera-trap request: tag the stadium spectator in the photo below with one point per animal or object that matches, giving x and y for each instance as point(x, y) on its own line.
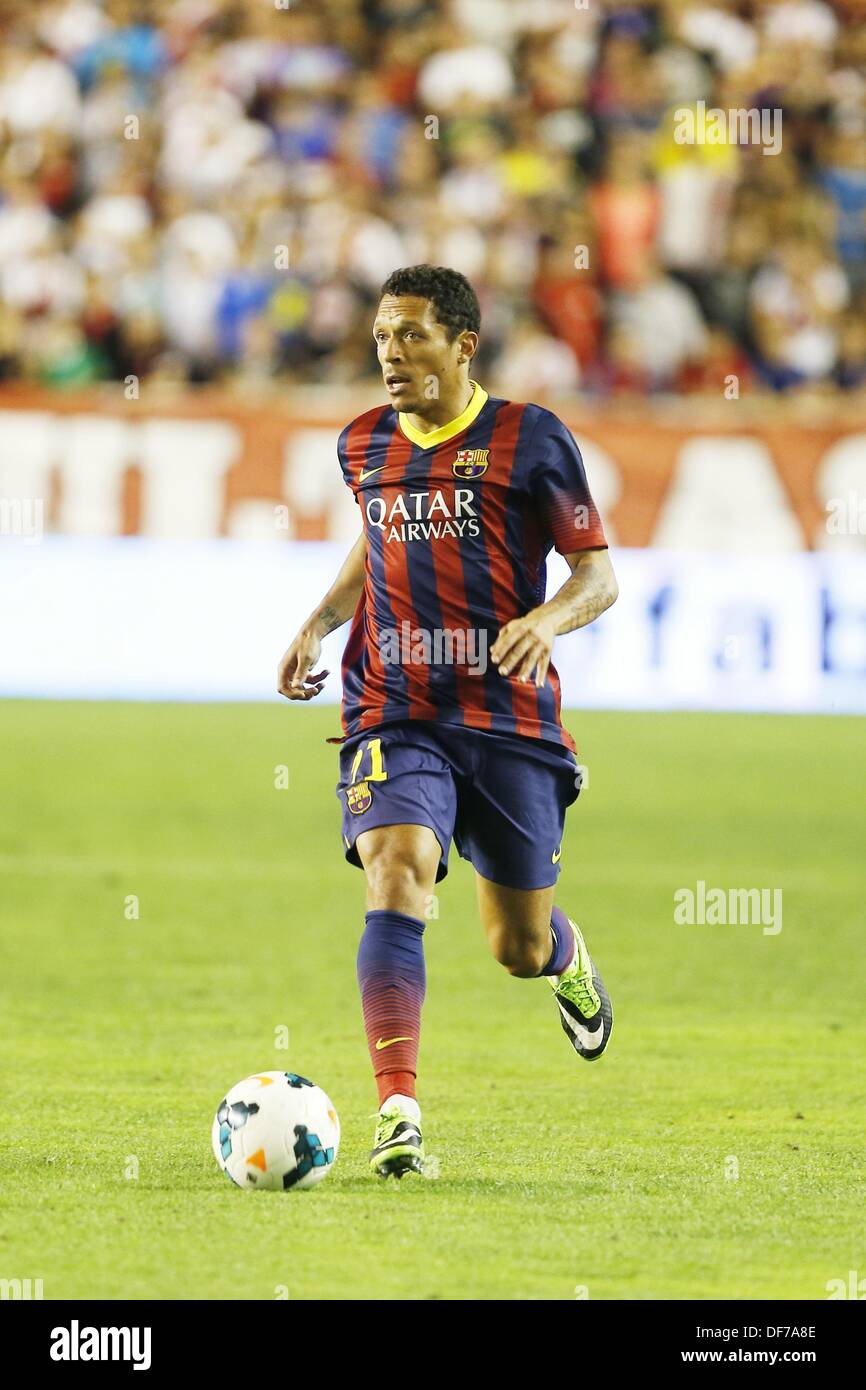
point(197, 190)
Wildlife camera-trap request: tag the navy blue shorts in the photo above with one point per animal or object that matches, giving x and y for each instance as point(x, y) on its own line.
point(502, 798)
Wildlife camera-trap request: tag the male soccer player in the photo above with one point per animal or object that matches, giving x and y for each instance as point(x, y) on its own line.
point(450, 701)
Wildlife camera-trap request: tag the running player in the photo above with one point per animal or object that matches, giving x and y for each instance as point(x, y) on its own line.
point(451, 705)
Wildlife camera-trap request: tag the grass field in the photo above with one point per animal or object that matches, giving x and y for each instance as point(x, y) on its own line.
point(734, 1052)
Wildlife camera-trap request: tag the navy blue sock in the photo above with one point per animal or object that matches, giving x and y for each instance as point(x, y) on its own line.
point(563, 944)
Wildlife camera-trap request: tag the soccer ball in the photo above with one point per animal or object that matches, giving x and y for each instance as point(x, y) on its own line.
point(276, 1130)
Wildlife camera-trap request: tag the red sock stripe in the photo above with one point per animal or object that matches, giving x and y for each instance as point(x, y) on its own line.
point(392, 1021)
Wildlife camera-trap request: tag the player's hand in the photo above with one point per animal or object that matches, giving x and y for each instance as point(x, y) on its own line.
point(525, 645)
point(293, 674)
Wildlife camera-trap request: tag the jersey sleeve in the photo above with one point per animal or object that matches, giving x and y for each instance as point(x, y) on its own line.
point(557, 482)
point(342, 458)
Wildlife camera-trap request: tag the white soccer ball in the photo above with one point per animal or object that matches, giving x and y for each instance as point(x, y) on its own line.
point(276, 1130)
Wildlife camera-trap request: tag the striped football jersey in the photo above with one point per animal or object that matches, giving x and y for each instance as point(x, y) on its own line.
point(458, 524)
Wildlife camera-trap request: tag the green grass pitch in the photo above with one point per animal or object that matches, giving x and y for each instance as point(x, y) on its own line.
point(715, 1151)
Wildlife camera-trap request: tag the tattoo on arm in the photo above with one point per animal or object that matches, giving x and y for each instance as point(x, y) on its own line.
point(580, 600)
point(329, 619)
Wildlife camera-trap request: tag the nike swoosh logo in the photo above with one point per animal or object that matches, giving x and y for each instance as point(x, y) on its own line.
point(556, 856)
point(590, 1038)
point(408, 1137)
point(368, 473)
point(380, 1044)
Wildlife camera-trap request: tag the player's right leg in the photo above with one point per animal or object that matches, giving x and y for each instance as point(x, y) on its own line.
point(400, 864)
point(399, 803)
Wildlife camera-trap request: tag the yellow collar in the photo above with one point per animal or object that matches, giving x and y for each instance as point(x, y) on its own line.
point(454, 427)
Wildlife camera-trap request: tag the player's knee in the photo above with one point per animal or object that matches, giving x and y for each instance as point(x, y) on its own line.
point(397, 885)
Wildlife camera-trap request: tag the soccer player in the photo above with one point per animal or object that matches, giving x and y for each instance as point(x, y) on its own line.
point(451, 705)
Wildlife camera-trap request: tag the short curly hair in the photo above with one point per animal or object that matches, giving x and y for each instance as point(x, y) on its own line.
point(450, 293)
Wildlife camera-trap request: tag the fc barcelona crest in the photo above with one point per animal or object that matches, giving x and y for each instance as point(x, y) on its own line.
point(359, 798)
point(470, 463)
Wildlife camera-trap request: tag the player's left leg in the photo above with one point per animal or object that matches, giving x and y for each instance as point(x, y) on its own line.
point(530, 936)
point(510, 824)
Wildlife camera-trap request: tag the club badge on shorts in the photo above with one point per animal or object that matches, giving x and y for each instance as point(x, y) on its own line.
point(470, 463)
point(359, 798)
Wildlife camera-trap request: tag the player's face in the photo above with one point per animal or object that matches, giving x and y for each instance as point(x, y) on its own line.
point(419, 362)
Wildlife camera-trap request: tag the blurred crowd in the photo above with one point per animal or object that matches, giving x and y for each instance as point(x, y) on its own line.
point(200, 191)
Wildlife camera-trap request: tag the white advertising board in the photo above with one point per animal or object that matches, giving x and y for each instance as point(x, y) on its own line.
point(208, 620)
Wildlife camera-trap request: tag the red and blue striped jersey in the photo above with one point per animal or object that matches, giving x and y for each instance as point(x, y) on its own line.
point(458, 524)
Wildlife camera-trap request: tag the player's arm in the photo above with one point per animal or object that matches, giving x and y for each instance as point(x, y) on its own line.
point(525, 644)
point(293, 676)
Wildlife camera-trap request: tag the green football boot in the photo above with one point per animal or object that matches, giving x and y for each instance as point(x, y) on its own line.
point(397, 1147)
point(584, 1004)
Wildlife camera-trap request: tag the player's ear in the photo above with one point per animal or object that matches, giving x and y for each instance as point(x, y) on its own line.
point(468, 346)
